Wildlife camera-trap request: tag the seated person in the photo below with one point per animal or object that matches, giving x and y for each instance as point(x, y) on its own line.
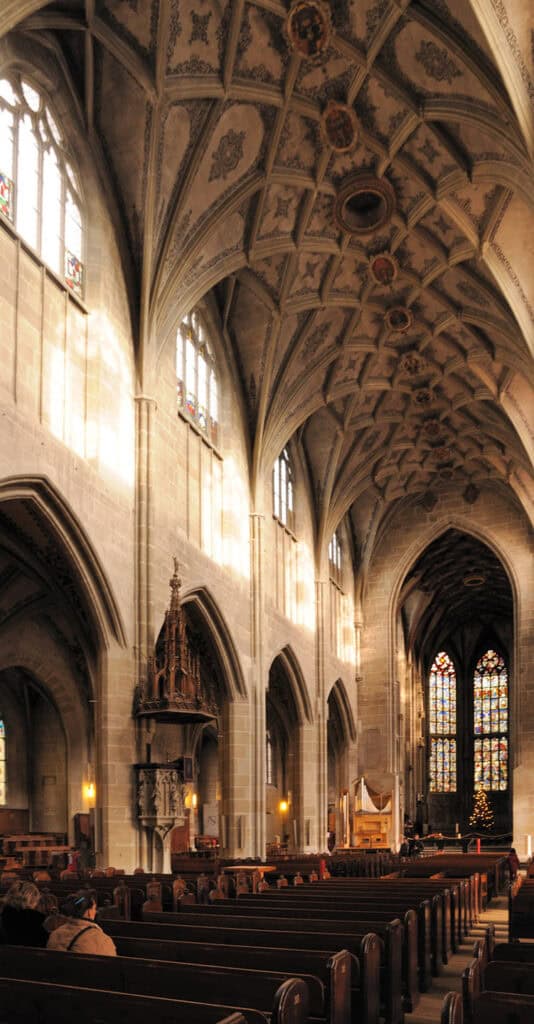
point(21, 921)
point(75, 930)
point(415, 846)
point(404, 849)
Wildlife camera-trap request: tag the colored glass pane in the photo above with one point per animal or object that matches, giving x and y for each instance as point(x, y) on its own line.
point(442, 723)
point(490, 722)
point(73, 272)
point(6, 196)
point(442, 765)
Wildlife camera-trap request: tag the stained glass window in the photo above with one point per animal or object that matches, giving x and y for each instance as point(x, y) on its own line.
point(334, 558)
point(283, 489)
point(39, 192)
point(3, 763)
point(196, 376)
point(442, 724)
point(490, 722)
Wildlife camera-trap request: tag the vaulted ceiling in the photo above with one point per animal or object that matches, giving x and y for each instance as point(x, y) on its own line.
point(210, 120)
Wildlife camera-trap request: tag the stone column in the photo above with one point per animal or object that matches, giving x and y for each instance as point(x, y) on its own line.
point(321, 632)
point(144, 518)
point(258, 687)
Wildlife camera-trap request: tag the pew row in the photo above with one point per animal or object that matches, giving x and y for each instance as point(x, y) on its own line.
point(347, 920)
point(281, 998)
point(313, 934)
point(133, 939)
point(47, 1003)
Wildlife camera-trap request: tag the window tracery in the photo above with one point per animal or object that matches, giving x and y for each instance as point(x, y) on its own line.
point(196, 375)
point(442, 724)
point(39, 189)
point(490, 722)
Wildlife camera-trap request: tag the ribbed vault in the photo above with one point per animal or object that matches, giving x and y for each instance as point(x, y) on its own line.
point(209, 122)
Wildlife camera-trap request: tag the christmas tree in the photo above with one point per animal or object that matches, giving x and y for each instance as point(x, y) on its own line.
point(482, 817)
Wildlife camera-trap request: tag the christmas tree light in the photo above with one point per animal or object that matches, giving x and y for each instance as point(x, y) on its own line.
point(482, 817)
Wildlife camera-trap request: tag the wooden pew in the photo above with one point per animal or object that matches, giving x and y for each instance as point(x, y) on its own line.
point(321, 933)
point(339, 973)
point(452, 1009)
point(518, 952)
point(348, 914)
point(454, 894)
point(496, 976)
point(509, 977)
point(435, 940)
point(282, 999)
point(47, 1003)
point(503, 1008)
point(285, 953)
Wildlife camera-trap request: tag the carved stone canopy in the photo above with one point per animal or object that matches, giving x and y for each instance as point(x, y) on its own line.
point(159, 795)
point(173, 690)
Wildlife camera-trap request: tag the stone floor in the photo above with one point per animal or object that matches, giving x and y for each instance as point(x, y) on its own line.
point(450, 980)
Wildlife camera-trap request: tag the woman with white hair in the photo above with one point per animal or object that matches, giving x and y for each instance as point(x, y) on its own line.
point(21, 923)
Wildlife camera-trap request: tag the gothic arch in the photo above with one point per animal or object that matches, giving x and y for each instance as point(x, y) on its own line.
point(204, 603)
point(289, 663)
point(338, 692)
point(44, 500)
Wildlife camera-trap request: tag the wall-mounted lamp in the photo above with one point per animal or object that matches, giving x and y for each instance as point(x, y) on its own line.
point(283, 806)
point(89, 791)
point(194, 801)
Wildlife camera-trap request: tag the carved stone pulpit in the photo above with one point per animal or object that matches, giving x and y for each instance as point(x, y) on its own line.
point(160, 806)
point(172, 691)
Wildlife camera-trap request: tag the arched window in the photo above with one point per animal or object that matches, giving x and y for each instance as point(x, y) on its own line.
point(39, 190)
point(490, 722)
point(442, 724)
point(283, 490)
point(196, 375)
point(3, 764)
point(334, 559)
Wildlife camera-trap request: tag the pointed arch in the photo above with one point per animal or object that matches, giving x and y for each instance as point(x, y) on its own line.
point(204, 603)
point(288, 661)
point(338, 693)
point(81, 560)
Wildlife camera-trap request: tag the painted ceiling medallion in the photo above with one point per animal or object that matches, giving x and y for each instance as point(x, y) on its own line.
point(474, 579)
point(399, 319)
point(383, 268)
point(364, 204)
point(308, 28)
point(432, 429)
point(412, 363)
point(422, 397)
point(443, 453)
point(339, 126)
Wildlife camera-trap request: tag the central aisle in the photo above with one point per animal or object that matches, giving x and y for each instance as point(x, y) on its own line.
point(450, 980)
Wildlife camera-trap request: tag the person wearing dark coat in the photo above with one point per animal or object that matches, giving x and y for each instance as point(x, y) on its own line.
point(21, 923)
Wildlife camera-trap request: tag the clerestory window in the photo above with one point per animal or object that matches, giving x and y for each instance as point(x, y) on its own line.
point(283, 490)
point(196, 375)
point(39, 188)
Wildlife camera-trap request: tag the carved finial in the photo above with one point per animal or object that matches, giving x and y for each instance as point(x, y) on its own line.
point(175, 582)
